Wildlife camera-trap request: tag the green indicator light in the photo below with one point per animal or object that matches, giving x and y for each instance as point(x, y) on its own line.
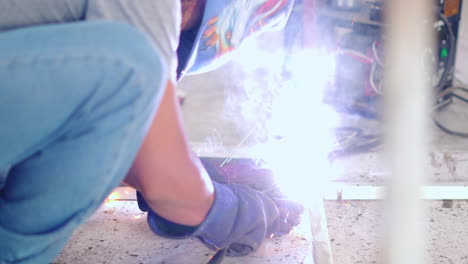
point(444, 53)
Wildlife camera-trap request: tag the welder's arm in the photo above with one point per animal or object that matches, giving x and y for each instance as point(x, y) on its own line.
point(171, 178)
point(182, 201)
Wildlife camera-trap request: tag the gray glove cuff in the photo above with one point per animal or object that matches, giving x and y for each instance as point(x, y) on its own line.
point(239, 220)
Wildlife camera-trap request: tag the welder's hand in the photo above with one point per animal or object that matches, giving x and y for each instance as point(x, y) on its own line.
point(247, 173)
point(239, 220)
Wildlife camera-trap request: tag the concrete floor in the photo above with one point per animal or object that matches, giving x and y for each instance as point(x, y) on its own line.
point(356, 231)
point(118, 233)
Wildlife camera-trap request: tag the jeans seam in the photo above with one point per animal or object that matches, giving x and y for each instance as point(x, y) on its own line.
point(29, 59)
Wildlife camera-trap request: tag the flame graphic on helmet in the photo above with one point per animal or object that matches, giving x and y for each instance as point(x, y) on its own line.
point(240, 19)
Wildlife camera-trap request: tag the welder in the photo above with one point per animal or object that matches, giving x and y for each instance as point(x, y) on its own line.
point(87, 100)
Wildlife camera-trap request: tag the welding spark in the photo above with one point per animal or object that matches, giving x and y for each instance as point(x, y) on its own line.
point(137, 216)
point(237, 149)
point(293, 130)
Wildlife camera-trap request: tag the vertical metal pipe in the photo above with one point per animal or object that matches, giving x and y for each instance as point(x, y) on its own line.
point(407, 94)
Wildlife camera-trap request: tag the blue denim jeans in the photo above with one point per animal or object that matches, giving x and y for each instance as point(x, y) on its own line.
point(76, 101)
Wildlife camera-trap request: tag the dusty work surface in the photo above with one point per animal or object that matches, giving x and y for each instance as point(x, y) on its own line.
point(118, 233)
point(356, 229)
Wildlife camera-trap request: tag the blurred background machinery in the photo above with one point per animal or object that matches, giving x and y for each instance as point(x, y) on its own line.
point(354, 29)
point(353, 32)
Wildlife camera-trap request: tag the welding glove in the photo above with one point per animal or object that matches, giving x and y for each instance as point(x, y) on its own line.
point(249, 172)
point(239, 220)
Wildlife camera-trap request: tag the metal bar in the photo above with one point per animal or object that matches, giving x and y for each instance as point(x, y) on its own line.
point(374, 192)
point(406, 98)
point(347, 191)
point(321, 248)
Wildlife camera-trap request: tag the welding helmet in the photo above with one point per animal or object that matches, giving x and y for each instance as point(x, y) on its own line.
point(225, 25)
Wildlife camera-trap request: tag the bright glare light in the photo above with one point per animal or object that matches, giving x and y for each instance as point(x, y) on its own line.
point(112, 198)
point(300, 128)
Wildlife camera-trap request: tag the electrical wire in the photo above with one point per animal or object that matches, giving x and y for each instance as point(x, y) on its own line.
point(376, 54)
point(446, 98)
point(450, 92)
point(372, 84)
point(355, 54)
point(353, 140)
point(446, 71)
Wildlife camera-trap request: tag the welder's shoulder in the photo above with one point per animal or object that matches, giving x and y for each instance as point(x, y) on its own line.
point(160, 20)
point(24, 13)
